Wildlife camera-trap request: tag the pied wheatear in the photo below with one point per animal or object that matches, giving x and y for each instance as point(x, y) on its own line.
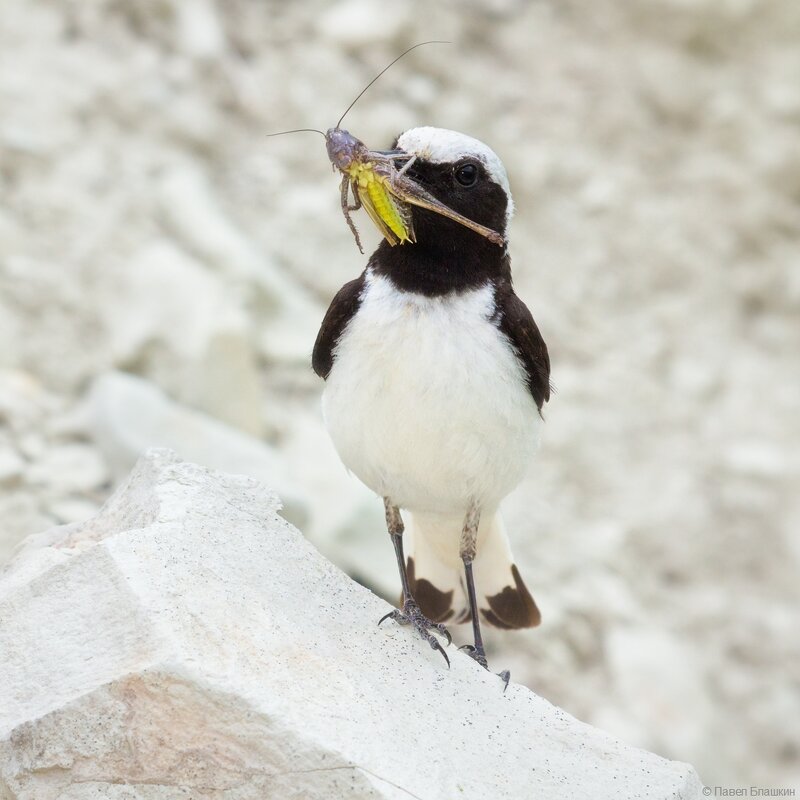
point(436, 375)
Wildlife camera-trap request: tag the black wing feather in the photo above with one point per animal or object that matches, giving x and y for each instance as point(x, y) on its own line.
point(516, 322)
point(341, 310)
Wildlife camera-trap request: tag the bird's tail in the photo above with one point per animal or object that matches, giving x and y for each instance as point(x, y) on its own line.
point(436, 573)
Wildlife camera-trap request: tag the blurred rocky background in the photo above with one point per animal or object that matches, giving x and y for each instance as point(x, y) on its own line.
point(164, 267)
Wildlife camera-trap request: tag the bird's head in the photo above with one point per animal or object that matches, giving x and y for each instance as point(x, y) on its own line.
point(463, 174)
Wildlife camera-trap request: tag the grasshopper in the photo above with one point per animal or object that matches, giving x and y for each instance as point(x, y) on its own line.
point(382, 188)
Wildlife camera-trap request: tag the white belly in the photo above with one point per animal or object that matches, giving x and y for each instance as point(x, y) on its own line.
point(427, 404)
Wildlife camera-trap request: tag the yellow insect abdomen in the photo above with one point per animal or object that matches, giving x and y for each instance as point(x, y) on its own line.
point(387, 210)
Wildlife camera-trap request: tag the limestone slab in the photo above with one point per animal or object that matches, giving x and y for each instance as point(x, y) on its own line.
point(189, 642)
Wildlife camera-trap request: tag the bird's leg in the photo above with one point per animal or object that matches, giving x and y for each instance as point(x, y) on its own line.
point(468, 546)
point(410, 613)
point(347, 208)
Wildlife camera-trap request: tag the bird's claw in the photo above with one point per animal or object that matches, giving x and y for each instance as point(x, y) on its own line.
point(410, 614)
point(506, 676)
point(475, 654)
point(480, 656)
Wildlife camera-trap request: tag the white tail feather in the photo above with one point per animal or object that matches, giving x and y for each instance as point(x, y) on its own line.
point(431, 544)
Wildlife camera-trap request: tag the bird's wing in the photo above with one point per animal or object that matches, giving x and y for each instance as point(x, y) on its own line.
point(516, 322)
point(341, 310)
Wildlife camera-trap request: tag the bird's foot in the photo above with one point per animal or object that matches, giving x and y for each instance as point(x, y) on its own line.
point(479, 655)
point(410, 614)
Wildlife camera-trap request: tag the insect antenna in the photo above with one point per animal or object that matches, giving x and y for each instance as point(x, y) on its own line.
point(297, 130)
point(392, 63)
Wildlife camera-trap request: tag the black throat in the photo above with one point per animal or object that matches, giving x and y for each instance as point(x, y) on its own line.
point(447, 257)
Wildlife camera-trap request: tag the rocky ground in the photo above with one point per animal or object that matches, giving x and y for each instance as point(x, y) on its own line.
point(164, 266)
point(212, 677)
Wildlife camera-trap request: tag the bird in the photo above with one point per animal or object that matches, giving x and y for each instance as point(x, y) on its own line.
point(435, 378)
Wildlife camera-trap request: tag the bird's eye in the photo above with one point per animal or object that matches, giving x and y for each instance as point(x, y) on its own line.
point(467, 174)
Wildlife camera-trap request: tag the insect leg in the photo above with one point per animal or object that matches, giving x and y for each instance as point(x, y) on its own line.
point(356, 200)
point(392, 155)
point(407, 165)
point(346, 208)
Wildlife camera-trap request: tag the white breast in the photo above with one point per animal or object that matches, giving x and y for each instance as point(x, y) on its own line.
point(427, 403)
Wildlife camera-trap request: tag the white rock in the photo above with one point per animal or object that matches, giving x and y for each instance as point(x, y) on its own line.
point(70, 467)
point(599, 194)
point(760, 459)
point(31, 444)
point(23, 401)
point(72, 509)
point(354, 23)
point(192, 213)
point(184, 329)
point(199, 29)
point(11, 465)
point(190, 643)
point(20, 513)
point(51, 330)
point(126, 415)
